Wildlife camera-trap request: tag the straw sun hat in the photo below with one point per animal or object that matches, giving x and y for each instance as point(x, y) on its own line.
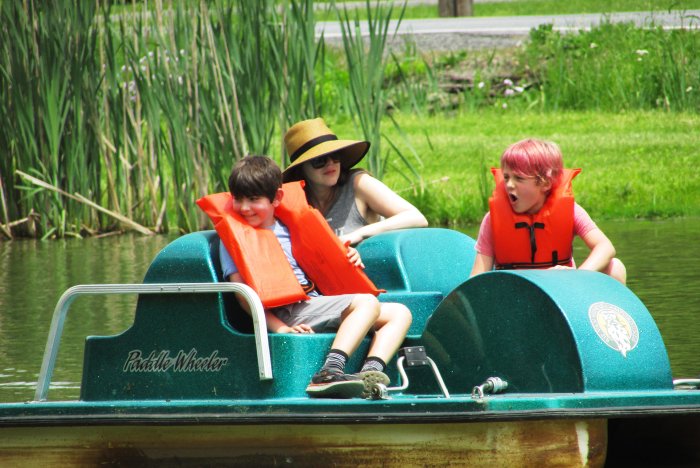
point(311, 139)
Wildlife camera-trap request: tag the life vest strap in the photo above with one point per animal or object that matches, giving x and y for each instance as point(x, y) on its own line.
point(533, 239)
point(308, 287)
point(521, 266)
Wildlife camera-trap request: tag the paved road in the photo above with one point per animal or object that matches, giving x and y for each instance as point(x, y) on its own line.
point(475, 32)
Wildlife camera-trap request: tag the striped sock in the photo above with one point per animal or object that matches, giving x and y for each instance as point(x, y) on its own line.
point(373, 364)
point(335, 361)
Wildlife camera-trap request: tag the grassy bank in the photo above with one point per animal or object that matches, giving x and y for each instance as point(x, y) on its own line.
point(638, 164)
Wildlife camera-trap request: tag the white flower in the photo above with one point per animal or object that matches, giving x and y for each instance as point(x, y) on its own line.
point(593, 45)
point(641, 52)
point(504, 105)
point(508, 92)
point(688, 89)
point(481, 85)
point(123, 68)
point(182, 51)
point(150, 54)
point(180, 80)
point(518, 89)
point(508, 82)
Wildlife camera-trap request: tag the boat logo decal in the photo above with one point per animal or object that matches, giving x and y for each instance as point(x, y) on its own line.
point(614, 326)
point(162, 361)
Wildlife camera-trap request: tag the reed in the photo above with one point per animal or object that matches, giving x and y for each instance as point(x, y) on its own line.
point(48, 62)
point(365, 64)
point(143, 108)
point(302, 69)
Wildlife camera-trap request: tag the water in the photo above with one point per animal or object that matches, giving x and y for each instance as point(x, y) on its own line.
point(661, 259)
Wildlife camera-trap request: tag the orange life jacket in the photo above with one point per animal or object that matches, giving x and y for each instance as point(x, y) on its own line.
point(541, 240)
point(261, 261)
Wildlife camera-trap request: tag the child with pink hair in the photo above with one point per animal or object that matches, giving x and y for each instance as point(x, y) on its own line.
point(533, 218)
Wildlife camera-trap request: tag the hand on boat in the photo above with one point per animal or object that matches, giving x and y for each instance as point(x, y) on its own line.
point(353, 238)
point(561, 267)
point(354, 256)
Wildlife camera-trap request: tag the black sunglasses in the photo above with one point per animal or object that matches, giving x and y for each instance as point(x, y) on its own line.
point(321, 161)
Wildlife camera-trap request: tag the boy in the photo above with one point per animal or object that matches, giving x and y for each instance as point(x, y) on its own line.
point(533, 218)
point(256, 186)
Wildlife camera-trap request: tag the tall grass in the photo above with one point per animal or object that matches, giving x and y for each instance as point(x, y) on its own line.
point(365, 59)
point(50, 120)
point(132, 116)
point(614, 67)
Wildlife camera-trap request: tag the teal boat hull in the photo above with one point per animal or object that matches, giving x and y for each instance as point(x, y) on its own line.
point(584, 364)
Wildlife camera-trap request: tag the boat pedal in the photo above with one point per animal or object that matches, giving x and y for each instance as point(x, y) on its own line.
point(415, 356)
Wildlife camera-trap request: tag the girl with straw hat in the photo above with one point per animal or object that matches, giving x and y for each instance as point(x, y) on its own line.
point(355, 204)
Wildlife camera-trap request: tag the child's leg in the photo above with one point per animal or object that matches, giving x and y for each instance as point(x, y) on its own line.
point(357, 320)
point(390, 330)
point(617, 270)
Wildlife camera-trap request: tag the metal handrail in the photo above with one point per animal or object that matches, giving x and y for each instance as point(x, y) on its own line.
point(61, 311)
point(404, 377)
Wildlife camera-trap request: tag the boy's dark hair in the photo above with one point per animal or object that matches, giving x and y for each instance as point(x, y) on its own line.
point(255, 176)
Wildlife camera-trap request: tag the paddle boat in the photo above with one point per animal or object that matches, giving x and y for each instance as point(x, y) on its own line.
point(508, 368)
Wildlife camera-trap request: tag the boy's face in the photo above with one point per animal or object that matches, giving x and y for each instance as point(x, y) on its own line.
point(525, 193)
point(258, 211)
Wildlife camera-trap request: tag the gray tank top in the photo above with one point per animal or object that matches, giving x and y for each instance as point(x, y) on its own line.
point(343, 216)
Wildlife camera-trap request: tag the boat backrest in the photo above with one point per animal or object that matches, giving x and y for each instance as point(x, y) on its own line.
point(418, 260)
point(418, 267)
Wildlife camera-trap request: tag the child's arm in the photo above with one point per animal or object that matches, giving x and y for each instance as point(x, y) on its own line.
point(602, 251)
point(482, 263)
point(354, 256)
point(274, 324)
point(484, 243)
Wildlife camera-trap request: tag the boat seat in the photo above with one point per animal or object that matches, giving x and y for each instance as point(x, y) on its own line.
point(400, 262)
point(403, 263)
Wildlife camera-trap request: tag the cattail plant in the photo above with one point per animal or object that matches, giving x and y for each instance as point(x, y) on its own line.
point(121, 115)
point(365, 64)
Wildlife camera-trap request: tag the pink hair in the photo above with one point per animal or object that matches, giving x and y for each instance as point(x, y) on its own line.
point(534, 158)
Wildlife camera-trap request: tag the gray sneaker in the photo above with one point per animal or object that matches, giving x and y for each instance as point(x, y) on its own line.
point(326, 384)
